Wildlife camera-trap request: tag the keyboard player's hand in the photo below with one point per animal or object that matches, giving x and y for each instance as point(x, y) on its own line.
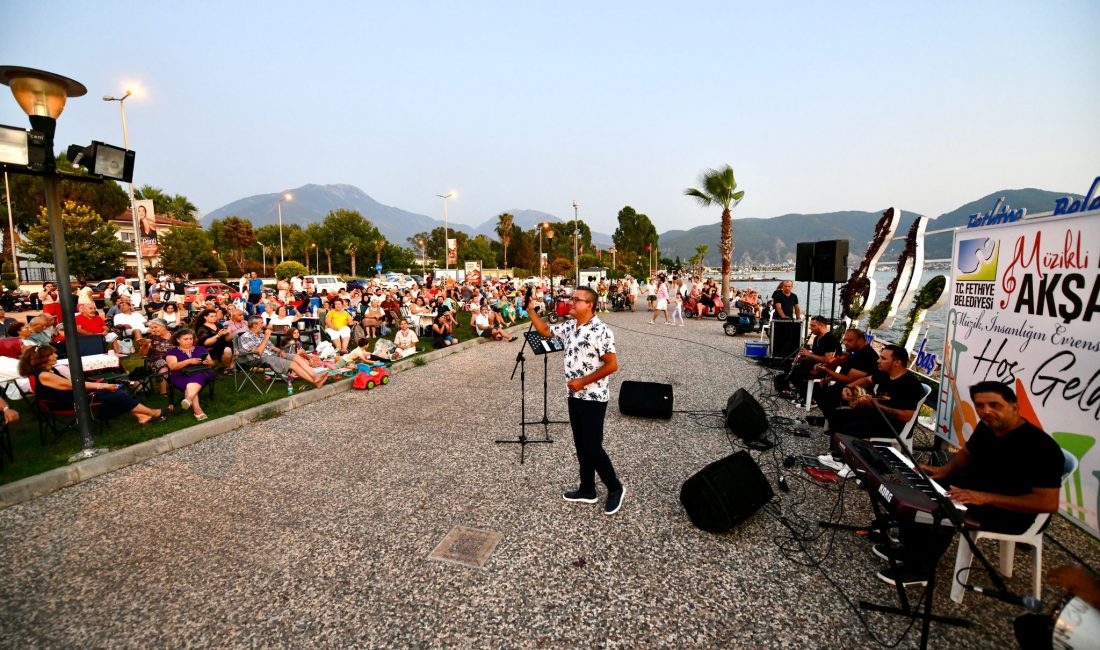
point(968, 497)
point(936, 473)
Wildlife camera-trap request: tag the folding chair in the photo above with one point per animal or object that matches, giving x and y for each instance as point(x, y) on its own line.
point(245, 365)
point(55, 417)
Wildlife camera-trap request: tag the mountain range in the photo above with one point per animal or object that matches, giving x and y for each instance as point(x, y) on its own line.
point(310, 203)
point(756, 241)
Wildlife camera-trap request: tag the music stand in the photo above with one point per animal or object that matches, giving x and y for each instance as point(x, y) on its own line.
point(541, 346)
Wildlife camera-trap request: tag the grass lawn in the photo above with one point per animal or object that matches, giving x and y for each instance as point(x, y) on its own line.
point(31, 458)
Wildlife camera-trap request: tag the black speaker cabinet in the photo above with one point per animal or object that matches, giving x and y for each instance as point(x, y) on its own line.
point(725, 493)
point(744, 415)
point(831, 261)
point(804, 262)
point(786, 338)
point(646, 399)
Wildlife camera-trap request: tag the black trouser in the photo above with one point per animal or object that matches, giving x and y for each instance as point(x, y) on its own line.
point(800, 375)
point(586, 417)
point(861, 423)
point(253, 298)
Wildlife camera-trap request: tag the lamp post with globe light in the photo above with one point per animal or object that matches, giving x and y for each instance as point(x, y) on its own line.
point(42, 97)
point(446, 232)
point(550, 245)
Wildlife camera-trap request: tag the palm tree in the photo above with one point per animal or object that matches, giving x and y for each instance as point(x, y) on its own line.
point(701, 250)
point(719, 187)
point(352, 248)
point(504, 230)
point(379, 246)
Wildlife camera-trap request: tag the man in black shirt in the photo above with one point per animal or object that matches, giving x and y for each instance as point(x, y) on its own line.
point(859, 361)
point(786, 302)
point(804, 367)
point(1008, 472)
point(1009, 469)
point(891, 392)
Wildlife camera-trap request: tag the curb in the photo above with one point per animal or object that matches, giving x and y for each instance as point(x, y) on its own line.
point(42, 484)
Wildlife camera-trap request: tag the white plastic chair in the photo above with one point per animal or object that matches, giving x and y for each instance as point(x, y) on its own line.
point(810, 389)
point(1033, 536)
point(766, 328)
point(906, 433)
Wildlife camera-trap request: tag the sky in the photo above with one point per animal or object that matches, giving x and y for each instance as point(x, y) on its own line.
point(817, 106)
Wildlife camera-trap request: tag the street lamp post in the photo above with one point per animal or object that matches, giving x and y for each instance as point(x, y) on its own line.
point(446, 231)
point(42, 97)
point(423, 255)
point(576, 235)
point(286, 197)
point(316, 259)
point(263, 254)
point(139, 265)
point(612, 251)
point(11, 229)
point(550, 245)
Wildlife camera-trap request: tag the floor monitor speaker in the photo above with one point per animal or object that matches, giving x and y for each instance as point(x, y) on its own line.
point(725, 493)
point(804, 262)
point(744, 416)
point(646, 399)
point(831, 261)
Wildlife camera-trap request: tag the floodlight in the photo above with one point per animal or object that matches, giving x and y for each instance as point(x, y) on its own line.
point(104, 160)
point(13, 146)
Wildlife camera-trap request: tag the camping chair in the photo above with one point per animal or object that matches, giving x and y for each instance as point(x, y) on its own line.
point(57, 418)
point(1033, 537)
point(209, 387)
point(245, 365)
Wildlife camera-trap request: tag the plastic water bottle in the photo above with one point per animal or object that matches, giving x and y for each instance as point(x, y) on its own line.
point(289, 388)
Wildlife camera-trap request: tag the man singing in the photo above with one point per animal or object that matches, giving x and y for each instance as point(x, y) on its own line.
point(589, 360)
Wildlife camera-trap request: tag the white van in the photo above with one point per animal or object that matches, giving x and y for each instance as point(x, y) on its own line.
point(329, 283)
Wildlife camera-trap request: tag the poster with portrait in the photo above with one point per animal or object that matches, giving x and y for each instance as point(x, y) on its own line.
point(1025, 311)
point(473, 273)
point(147, 228)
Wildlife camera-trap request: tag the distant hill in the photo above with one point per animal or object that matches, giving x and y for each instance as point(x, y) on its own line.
point(756, 241)
point(312, 202)
point(769, 241)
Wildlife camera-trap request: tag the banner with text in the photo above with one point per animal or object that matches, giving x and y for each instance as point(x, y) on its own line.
point(1025, 311)
point(473, 273)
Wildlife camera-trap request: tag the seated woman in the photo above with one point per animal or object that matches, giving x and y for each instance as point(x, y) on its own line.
point(441, 331)
point(37, 364)
point(213, 336)
point(156, 359)
point(405, 341)
point(373, 318)
point(12, 344)
point(171, 316)
point(186, 354)
point(257, 340)
point(281, 323)
point(337, 326)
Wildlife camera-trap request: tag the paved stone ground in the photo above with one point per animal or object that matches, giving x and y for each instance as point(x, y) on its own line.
point(314, 529)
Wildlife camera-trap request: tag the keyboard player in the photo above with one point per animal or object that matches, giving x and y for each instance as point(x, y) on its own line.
point(1009, 471)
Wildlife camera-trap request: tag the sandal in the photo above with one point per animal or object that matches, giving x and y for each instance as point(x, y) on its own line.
point(201, 417)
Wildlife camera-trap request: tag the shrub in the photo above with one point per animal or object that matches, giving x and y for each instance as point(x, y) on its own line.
point(290, 268)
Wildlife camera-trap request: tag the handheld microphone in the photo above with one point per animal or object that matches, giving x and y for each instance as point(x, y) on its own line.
point(1030, 603)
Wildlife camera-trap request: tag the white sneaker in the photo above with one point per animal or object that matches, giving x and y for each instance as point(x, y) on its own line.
point(828, 461)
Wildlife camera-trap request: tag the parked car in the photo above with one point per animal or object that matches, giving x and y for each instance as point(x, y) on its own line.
point(101, 286)
point(358, 283)
point(329, 283)
point(202, 291)
point(398, 281)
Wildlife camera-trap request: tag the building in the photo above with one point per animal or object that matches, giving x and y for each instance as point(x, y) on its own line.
point(124, 223)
